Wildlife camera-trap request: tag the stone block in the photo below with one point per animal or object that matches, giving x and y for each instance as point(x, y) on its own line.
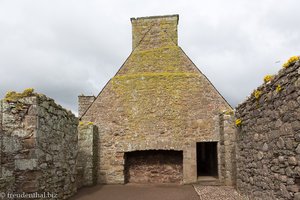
point(26, 164)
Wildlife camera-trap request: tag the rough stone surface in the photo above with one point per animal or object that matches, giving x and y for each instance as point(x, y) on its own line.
point(38, 146)
point(159, 100)
point(153, 167)
point(163, 30)
point(84, 103)
point(268, 139)
point(87, 159)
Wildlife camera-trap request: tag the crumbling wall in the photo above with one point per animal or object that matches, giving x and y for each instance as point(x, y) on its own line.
point(6, 178)
point(268, 156)
point(39, 145)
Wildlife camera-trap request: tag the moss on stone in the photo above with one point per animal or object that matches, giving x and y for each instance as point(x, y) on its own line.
point(85, 124)
point(155, 75)
point(164, 59)
point(147, 98)
point(13, 96)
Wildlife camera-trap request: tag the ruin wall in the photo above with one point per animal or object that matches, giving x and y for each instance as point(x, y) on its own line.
point(38, 146)
point(87, 160)
point(268, 154)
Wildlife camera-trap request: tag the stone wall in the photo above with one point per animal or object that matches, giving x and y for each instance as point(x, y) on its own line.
point(227, 148)
point(39, 145)
point(153, 166)
point(268, 155)
point(87, 160)
point(6, 179)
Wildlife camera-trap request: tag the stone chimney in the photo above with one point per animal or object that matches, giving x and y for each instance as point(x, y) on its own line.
point(156, 30)
point(84, 103)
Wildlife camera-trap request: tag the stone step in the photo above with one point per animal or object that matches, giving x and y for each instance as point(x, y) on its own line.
point(209, 183)
point(208, 180)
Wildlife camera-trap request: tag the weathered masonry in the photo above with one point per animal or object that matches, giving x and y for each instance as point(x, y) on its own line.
point(268, 155)
point(38, 143)
point(159, 119)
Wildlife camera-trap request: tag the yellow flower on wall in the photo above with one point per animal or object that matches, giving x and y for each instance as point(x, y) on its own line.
point(293, 59)
point(286, 65)
point(278, 88)
point(14, 96)
point(290, 61)
point(268, 78)
point(28, 91)
point(257, 94)
point(238, 122)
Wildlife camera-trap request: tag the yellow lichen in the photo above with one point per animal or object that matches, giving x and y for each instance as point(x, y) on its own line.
point(145, 97)
point(13, 96)
point(81, 123)
point(163, 59)
point(268, 78)
point(150, 74)
point(228, 112)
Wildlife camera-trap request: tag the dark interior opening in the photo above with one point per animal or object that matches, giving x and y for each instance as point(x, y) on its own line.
point(207, 159)
point(153, 166)
point(297, 180)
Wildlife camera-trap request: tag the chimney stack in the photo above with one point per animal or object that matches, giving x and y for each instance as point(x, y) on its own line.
point(156, 30)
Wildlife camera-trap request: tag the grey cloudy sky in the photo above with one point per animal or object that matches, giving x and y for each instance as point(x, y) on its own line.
point(65, 48)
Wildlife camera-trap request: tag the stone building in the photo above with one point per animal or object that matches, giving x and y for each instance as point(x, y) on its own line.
point(159, 119)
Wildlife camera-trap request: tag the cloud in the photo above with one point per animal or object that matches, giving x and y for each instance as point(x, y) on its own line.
point(65, 48)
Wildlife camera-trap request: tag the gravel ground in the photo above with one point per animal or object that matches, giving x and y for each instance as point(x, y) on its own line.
point(218, 193)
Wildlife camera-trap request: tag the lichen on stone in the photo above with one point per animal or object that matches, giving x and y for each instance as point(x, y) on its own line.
point(144, 94)
point(164, 59)
point(13, 96)
point(228, 112)
point(84, 123)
